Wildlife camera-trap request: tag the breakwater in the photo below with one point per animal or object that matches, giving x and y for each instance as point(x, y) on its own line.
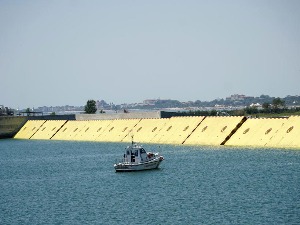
point(197, 130)
point(10, 125)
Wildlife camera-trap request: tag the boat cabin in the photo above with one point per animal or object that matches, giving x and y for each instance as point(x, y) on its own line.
point(135, 154)
point(136, 158)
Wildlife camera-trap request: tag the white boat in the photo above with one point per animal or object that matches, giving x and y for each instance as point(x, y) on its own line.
point(136, 158)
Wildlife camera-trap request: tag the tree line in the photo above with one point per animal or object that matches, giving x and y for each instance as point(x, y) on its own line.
point(275, 107)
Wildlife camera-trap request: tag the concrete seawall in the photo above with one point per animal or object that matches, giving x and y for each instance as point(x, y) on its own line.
point(120, 115)
point(230, 131)
point(10, 125)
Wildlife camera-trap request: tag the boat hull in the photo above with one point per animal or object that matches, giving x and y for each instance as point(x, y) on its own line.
point(128, 167)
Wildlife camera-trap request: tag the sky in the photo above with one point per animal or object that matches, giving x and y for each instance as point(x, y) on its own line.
point(61, 52)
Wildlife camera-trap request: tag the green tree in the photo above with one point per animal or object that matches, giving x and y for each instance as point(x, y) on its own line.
point(277, 102)
point(90, 107)
point(213, 112)
point(238, 112)
point(266, 107)
point(28, 111)
point(251, 110)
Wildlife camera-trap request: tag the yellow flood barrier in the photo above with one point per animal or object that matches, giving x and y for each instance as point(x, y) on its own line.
point(177, 129)
point(48, 129)
point(288, 135)
point(69, 130)
point(214, 130)
point(145, 130)
point(29, 129)
point(102, 126)
point(256, 132)
point(231, 131)
point(91, 130)
point(117, 130)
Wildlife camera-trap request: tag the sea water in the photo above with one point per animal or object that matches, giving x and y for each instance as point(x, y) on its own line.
point(62, 182)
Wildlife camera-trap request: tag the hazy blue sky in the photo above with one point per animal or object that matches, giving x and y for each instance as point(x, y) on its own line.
point(66, 52)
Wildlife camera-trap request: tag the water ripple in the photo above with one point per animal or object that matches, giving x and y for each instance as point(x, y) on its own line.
point(54, 182)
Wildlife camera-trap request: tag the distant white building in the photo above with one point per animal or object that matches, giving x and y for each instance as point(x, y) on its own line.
point(149, 101)
point(237, 97)
point(256, 105)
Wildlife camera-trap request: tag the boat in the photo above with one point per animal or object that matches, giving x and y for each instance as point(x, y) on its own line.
point(136, 158)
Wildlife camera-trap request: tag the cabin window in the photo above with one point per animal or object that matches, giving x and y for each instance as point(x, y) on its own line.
point(136, 152)
point(143, 151)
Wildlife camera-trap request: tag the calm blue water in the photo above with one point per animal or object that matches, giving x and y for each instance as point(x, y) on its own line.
point(54, 182)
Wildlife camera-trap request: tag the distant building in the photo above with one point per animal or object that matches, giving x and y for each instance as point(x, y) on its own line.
point(257, 105)
point(101, 104)
point(187, 103)
point(5, 111)
point(149, 101)
point(237, 97)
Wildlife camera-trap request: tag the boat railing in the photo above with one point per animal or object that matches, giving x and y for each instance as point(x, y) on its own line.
point(154, 156)
point(124, 161)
